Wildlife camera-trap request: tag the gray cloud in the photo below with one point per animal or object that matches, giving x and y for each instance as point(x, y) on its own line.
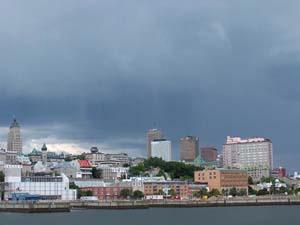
point(106, 71)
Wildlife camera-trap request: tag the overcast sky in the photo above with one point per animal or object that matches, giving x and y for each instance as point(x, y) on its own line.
point(93, 72)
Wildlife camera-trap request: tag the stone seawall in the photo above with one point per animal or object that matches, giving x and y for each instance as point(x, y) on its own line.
point(184, 204)
point(49, 207)
point(34, 207)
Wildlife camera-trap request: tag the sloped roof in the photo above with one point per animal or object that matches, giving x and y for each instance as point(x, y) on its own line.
point(84, 164)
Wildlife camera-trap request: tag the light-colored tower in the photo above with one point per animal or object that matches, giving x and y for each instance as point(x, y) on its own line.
point(161, 148)
point(152, 135)
point(44, 154)
point(189, 148)
point(14, 141)
point(253, 154)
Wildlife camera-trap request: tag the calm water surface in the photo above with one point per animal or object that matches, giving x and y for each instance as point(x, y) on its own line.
point(275, 215)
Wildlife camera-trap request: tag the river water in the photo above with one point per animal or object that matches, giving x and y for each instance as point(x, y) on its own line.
point(273, 215)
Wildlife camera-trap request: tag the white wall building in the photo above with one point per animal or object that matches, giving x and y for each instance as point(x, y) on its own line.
point(254, 155)
point(48, 187)
point(161, 148)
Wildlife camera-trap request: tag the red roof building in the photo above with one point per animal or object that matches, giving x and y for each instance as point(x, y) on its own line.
point(84, 164)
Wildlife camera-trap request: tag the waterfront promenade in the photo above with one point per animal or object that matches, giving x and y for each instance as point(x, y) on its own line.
point(219, 202)
point(58, 206)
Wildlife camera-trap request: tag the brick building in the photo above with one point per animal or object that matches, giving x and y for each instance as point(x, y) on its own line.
point(209, 154)
point(222, 179)
point(180, 188)
point(189, 148)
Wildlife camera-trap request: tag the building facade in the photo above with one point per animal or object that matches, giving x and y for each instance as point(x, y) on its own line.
point(161, 148)
point(189, 148)
point(14, 141)
point(209, 154)
point(47, 187)
point(114, 173)
point(254, 155)
point(107, 191)
point(152, 135)
point(180, 188)
point(222, 179)
point(279, 172)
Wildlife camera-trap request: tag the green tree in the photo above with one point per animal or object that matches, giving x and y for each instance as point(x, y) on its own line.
point(125, 193)
point(263, 192)
point(138, 194)
point(250, 181)
point(81, 157)
point(233, 191)
point(172, 193)
point(2, 176)
point(137, 170)
point(96, 173)
point(214, 192)
point(176, 170)
point(201, 193)
point(251, 191)
point(68, 159)
point(160, 192)
point(242, 192)
point(267, 180)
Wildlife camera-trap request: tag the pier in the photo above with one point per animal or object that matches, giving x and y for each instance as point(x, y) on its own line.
point(34, 207)
point(51, 207)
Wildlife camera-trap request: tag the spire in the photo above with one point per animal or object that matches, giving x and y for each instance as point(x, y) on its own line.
point(44, 148)
point(14, 123)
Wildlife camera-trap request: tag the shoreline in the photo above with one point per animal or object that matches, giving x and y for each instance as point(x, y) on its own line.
point(55, 207)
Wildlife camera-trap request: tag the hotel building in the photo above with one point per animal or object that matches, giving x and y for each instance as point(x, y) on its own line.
point(254, 155)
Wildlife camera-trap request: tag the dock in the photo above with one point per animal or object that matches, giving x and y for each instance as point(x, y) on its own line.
point(57, 206)
point(34, 207)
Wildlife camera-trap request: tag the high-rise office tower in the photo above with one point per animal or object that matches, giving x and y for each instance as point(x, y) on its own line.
point(254, 155)
point(152, 135)
point(14, 141)
point(209, 154)
point(161, 148)
point(189, 148)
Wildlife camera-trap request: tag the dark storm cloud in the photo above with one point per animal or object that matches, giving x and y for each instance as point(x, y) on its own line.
point(109, 70)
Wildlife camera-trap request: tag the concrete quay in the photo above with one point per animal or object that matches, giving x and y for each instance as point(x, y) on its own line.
point(144, 204)
point(34, 207)
point(57, 206)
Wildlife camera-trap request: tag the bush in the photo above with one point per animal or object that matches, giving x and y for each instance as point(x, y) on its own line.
point(125, 193)
point(138, 194)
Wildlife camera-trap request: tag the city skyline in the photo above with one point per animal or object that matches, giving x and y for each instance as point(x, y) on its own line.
point(75, 79)
point(153, 135)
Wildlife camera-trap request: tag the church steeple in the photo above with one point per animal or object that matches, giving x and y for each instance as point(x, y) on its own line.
point(44, 148)
point(44, 154)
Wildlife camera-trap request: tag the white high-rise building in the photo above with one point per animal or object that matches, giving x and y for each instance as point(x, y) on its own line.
point(254, 155)
point(152, 135)
point(14, 141)
point(161, 148)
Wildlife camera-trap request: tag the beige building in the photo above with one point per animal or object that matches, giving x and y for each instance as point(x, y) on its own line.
point(222, 179)
point(180, 188)
point(14, 141)
point(253, 154)
point(152, 135)
point(189, 148)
